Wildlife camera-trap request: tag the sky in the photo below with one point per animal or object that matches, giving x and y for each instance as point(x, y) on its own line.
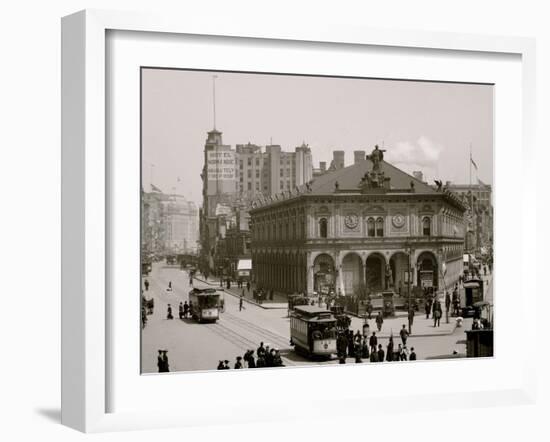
point(427, 126)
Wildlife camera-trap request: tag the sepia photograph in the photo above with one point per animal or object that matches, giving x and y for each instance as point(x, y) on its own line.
point(305, 220)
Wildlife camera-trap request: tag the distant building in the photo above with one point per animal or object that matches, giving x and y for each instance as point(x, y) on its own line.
point(170, 224)
point(479, 215)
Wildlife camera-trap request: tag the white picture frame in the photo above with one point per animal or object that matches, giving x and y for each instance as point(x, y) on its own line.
point(86, 207)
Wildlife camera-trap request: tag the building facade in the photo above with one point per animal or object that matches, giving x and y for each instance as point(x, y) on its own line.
point(369, 226)
point(169, 224)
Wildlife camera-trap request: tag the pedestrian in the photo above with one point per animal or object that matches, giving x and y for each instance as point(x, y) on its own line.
point(379, 321)
point(241, 306)
point(277, 361)
point(351, 348)
point(250, 359)
point(357, 337)
point(404, 333)
point(389, 350)
point(412, 356)
point(428, 307)
point(380, 353)
point(165, 367)
point(169, 286)
point(437, 313)
point(369, 308)
point(181, 310)
point(358, 352)
point(220, 365)
point(260, 363)
point(169, 312)
point(248, 286)
point(226, 365)
point(146, 283)
point(185, 309)
point(342, 345)
point(411, 316)
point(238, 363)
point(365, 348)
point(404, 353)
point(373, 342)
point(366, 328)
point(271, 292)
point(447, 301)
point(191, 280)
point(374, 356)
point(260, 352)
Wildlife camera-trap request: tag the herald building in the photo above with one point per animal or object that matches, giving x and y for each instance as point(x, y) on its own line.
point(362, 226)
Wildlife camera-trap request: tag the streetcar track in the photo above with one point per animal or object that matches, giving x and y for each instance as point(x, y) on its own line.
point(280, 340)
point(223, 331)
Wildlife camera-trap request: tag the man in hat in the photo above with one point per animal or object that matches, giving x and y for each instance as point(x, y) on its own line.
point(260, 352)
point(412, 356)
point(181, 310)
point(226, 365)
point(162, 362)
point(220, 365)
point(404, 333)
point(389, 349)
point(169, 312)
point(373, 342)
point(380, 353)
point(146, 284)
point(379, 321)
point(238, 364)
point(185, 309)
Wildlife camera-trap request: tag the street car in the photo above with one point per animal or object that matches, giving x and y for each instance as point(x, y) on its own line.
point(313, 331)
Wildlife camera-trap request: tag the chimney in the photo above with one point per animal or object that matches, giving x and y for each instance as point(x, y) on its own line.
point(338, 158)
point(323, 166)
point(418, 175)
point(358, 156)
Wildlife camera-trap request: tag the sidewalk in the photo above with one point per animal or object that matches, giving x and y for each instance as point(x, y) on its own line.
point(279, 300)
point(421, 327)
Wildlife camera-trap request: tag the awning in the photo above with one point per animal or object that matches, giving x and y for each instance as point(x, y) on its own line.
point(244, 264)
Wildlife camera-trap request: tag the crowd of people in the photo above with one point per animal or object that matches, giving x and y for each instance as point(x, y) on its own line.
point(361, 346)
point(265, 357)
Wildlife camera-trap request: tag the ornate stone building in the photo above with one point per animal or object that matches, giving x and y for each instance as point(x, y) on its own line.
point(355, 229)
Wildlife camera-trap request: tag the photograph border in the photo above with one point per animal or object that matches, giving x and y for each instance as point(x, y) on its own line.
point(85, 199)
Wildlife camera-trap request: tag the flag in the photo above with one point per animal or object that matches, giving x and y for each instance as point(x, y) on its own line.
point(473, 162)
point(155, 188)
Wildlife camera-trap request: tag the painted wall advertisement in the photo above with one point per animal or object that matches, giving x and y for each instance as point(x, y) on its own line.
point(221, 166)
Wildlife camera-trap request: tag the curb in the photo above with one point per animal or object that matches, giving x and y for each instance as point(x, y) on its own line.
point(249, 301)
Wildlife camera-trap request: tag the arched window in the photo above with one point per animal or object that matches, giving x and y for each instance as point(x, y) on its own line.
point(323, 233)
point(426, 226)
point(370, 227)
point(380, 227)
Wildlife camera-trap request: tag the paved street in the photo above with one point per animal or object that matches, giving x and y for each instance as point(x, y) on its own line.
point(193, 346)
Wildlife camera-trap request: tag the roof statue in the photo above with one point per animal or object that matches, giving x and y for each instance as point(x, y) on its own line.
point(375, 178)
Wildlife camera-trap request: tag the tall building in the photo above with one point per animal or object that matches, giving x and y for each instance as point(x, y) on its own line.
point(232, 178)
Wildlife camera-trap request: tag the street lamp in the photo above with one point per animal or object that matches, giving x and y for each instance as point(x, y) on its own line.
point(409, 249)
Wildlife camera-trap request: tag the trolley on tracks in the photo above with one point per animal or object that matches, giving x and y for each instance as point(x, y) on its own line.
point(205, 304)
point(313, 331)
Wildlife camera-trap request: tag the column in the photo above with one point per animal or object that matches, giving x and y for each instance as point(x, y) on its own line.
point(309, 265)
